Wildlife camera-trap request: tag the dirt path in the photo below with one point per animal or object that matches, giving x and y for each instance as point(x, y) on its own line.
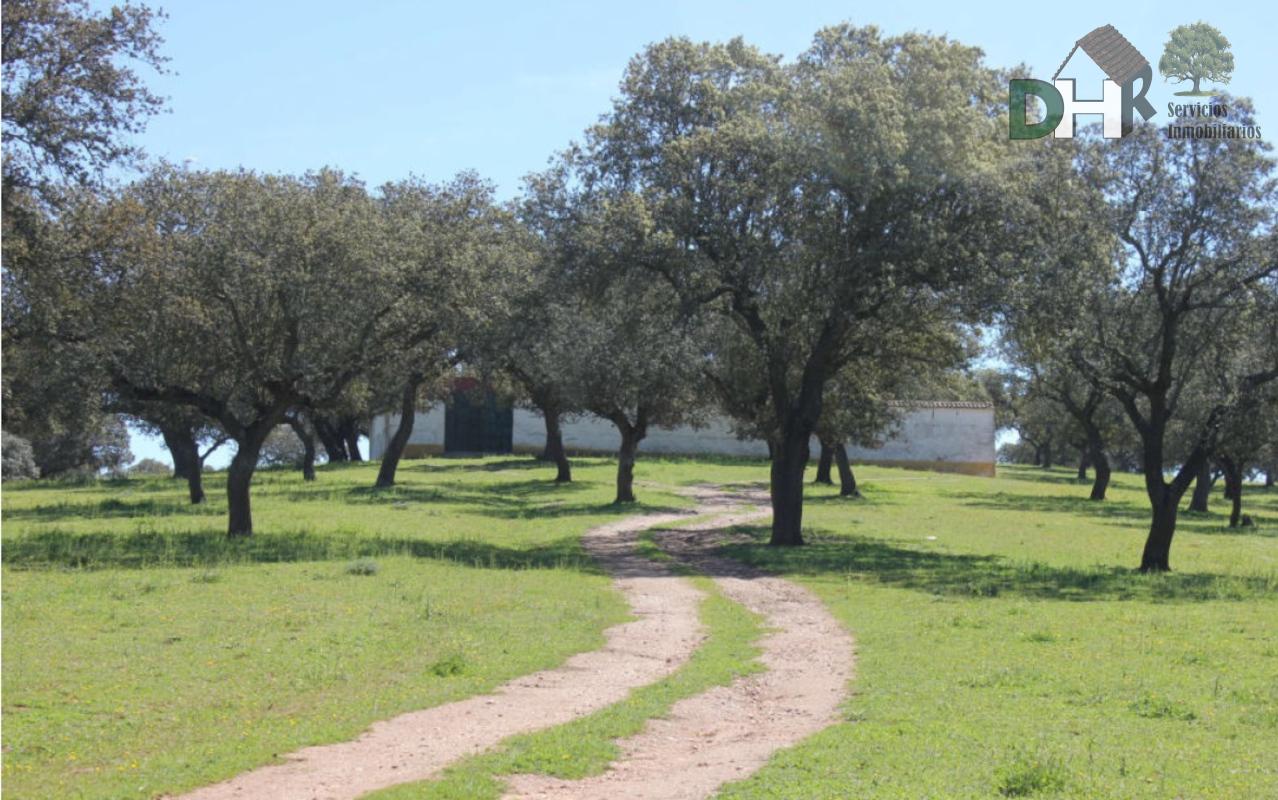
point(709, 739)
point(416, 745)
point(728, 732)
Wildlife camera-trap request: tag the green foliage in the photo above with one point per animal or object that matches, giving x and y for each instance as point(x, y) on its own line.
point(150, 466)
point(822, 234)
point(1029, 774)
point(19, 461)
point(363, 566)
point(282, 448)
point(71, 97)
point(1196, 52)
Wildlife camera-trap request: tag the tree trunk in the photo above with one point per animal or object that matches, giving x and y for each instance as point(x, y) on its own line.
point(333, 442)
point(554, 450)
point(195, 483)
point(1101, 483)
point(1196, 80)
point(352, 443)
point(398, 441)
point(789, 461)
point(1202, 489)
point(308, 448)
point(1233, 489)
point(626, 465)
point(186, 459)
point(1162, 528)
point(847, 481)
point(1083, 463)
point(1047, 456)
point(240, 476)
point(824, 464)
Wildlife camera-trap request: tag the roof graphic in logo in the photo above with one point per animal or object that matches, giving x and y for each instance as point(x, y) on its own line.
point(1111, 51)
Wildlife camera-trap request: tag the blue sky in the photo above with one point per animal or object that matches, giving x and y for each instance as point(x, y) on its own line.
point(383, 89)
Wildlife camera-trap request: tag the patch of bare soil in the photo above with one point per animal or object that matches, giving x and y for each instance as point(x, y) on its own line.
point(728, 732)
point(415, 746)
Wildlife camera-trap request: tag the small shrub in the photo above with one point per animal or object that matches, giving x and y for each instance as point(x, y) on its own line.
point(1152, 706)
point(363, 566)
point(450, 666)
point(1031, 774)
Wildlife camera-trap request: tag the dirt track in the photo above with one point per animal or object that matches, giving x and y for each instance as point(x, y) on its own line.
point(717, 736)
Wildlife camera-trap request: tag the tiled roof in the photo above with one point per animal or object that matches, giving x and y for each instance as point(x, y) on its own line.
point(1116, 56)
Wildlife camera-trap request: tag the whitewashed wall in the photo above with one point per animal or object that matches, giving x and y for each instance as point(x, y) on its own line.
point(946, 436)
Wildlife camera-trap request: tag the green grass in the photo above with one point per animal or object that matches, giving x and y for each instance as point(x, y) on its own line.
point(1016, 654)
point(144, 652)
point(587, 746)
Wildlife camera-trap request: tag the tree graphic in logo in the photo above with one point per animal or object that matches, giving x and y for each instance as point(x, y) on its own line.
point(1196, 52)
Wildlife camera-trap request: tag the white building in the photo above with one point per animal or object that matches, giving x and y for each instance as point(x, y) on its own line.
point(943, 436)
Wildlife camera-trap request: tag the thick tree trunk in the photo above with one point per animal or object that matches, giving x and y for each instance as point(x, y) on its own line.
point(186, 460)
point(1157, 554)
point(1083, 463)
point(824, 463)
point(626, 466)
point(239, 478)
point(789, 461)
point(847, 481)
point(554, 449)
point(399, 440)
point(1202, 489)
point(1047, 456)
point(183, 449)
point(1233, 489)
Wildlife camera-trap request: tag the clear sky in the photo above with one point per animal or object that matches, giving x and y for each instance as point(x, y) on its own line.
point(388, 88)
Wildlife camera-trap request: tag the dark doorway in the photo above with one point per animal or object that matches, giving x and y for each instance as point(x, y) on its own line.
point(477, 421)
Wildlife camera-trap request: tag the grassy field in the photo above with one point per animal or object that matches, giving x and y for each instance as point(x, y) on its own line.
point(1005, 646)
point(143, 652)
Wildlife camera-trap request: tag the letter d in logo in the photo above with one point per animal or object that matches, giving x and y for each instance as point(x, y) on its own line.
point(1045, 92)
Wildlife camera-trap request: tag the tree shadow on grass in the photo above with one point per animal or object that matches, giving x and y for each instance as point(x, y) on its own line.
point(114, 508)
point(531, 499)
point(1117, 512)
point(158, 549)
point(1033, 503)
point(1042, 475)
point(948, 574)
point(446, 464)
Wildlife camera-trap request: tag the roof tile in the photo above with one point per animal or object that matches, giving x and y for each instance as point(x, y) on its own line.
point(1116, 56)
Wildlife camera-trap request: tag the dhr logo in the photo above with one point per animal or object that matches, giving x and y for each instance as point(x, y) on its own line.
point(1118, 59)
